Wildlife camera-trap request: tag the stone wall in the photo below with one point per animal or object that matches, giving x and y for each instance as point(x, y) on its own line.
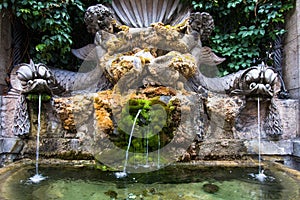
point(291, 65)
point(10, 145)
point(5, 48)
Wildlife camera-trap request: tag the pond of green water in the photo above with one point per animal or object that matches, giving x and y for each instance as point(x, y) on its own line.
point(189, 182)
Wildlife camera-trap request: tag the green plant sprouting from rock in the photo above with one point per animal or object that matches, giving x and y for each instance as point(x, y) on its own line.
point(154, 127)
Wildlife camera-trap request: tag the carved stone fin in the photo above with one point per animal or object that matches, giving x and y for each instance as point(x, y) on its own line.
point(87, 52)
point(207, 57)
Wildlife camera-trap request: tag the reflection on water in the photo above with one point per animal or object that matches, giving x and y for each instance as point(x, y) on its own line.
point(184, 182)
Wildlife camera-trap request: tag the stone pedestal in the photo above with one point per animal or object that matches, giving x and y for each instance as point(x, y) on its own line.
point(10, 145)
point(7, 108)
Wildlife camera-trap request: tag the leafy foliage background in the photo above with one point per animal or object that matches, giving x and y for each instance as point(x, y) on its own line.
point(244, 32)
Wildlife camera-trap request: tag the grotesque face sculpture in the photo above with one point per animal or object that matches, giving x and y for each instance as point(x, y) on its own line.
point(35, 78)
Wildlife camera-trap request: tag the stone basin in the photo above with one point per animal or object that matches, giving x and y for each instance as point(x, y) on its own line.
point(84, 179)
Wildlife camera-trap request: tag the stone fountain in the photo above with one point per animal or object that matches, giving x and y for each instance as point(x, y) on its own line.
point(148, 57)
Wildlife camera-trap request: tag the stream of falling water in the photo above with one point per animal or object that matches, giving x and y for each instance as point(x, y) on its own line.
point(259, 135)
point(260, 176)
point(158, 151)
point(38, 177)
point(38, 137)
point(147, 149)
point(124, 173)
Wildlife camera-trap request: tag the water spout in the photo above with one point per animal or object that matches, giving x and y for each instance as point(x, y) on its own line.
point(259, 135)
point(147, 150)
point(38, 137)
point(158, 151)
point(260, 176)
point(124, 173)
point(38, 177)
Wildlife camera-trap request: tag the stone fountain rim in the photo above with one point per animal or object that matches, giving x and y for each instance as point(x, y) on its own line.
point(270, 162)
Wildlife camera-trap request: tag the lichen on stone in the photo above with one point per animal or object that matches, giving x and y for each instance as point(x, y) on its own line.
point(102, 108)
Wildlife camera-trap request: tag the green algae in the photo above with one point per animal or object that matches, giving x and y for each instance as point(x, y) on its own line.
point(154, 127)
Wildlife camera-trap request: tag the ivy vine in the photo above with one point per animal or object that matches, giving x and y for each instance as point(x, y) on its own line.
point(244, 32)
point(53, 28)
point(244, 29)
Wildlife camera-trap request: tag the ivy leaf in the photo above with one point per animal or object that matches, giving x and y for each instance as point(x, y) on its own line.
point(40, 47)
